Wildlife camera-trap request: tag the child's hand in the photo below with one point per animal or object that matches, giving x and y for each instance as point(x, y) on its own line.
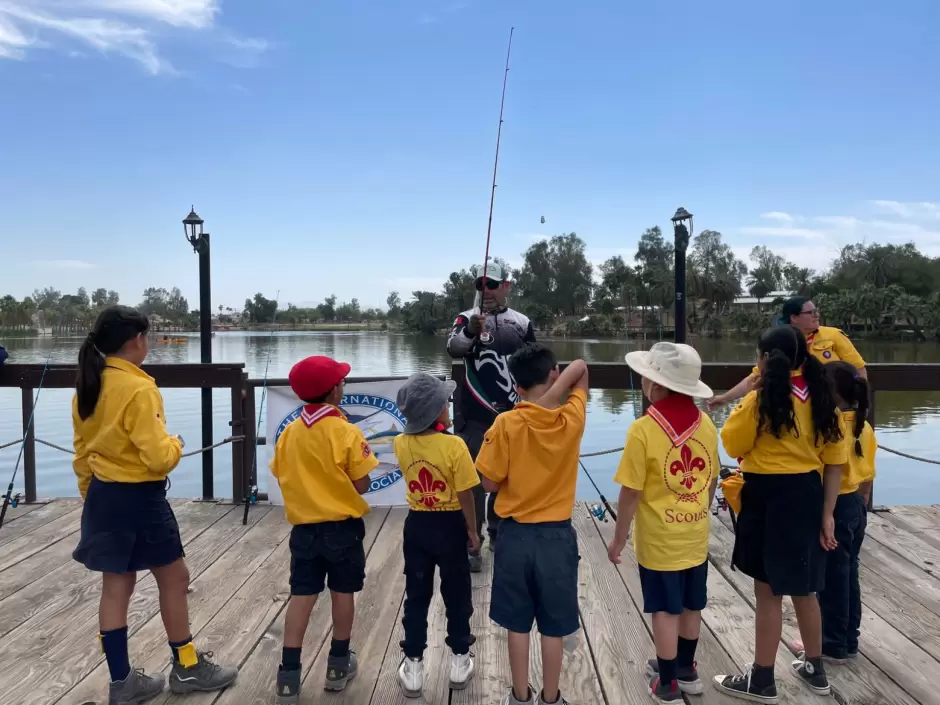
point(615, 550)
point(827, 535)
point(474, 541)
point(716, 402)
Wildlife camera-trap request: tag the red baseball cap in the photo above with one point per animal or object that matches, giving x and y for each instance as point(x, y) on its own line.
point(315, 376)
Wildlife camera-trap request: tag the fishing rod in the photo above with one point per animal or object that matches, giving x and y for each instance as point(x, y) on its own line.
point(597, 511)
point(9, 499)
point(478, 303)
point(252, 496)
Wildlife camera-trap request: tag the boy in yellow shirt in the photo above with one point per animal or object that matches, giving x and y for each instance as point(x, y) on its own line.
point(530, 457)
point(668, 472)
point(322, 464)
point(441, 523)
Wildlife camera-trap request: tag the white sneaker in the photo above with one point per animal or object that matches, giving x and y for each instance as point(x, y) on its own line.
point(461, 670)
point(411, 677)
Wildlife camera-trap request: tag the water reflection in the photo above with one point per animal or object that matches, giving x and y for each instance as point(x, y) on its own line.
point(908, 421)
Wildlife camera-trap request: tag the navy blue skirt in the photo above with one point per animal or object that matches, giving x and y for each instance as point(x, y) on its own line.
point(127, 526)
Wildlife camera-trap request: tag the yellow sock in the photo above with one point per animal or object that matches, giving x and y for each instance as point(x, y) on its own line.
point(185, 654)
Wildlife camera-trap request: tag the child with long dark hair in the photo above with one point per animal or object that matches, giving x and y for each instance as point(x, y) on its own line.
point(785, 433)
point(841, 599)
point(123, 455)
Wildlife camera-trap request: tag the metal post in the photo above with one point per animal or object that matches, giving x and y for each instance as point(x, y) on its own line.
point(205, 344)
point(29, 447)
point(238, 429)
point(682, 235)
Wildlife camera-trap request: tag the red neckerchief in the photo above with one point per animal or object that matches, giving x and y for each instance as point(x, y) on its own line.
point(798, 385)
point(677, 416)
point(312, 413)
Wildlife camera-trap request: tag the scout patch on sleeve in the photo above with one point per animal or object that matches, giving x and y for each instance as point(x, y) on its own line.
point(366, 450)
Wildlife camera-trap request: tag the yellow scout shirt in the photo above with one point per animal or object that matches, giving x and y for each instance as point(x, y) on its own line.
point(533, 453)
point(436, 467)
point(794, 452)
point(125, 439)
point(830, 345)
point(671, 456)
point(859, 469)
point(316, 459)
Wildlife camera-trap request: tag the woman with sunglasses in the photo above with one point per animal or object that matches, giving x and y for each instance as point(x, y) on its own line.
point(825, 343)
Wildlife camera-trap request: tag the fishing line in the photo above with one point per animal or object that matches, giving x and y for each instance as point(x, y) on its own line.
point(499, 133)
point(9, 499)
point(252, 496)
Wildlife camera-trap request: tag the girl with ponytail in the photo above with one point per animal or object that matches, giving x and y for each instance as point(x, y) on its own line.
point(123, 455)
point(840, 600)
point(788, 437)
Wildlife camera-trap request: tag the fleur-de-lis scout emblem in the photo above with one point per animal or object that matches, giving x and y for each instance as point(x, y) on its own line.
point(426, 487)
point(687, 466)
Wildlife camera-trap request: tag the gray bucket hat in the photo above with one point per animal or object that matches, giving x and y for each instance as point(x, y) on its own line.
point(421, 399)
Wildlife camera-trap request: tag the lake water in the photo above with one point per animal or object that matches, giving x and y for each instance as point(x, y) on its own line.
point(907, 421)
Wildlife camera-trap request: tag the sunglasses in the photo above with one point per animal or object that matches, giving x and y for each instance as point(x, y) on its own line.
point(491, 284)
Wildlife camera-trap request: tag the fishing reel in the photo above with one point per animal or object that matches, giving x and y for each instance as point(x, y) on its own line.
point(252, 495)
point(15, 500)
point(598, 512)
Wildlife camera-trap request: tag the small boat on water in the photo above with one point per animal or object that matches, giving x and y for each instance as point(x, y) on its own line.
point(164, 339)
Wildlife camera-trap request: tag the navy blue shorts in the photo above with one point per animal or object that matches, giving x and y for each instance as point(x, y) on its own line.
point(329, 553)
point(126, 527)
point(674, 591)
point(535, 577)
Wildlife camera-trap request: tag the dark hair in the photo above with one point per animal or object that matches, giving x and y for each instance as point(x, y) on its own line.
point(785, 348)
point(791, 307)
point(853, 388)
point(531, 365)
point(320, 399)
point(114, 326)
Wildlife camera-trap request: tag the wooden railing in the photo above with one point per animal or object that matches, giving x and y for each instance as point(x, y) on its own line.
point(232, 376)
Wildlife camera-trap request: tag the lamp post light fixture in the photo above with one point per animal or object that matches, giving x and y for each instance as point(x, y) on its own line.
point(192, 228)
point(682, 235)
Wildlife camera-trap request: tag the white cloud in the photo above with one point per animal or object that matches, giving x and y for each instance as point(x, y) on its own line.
point(62, 264)
point(778, 215)
point(782, 231)
point(131, 28)
point(900, 222)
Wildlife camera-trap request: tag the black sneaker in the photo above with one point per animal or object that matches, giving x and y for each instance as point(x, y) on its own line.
point(741, 687)
point(288, 687)
point(665, 692)
point(687, 677)
point(815, 679)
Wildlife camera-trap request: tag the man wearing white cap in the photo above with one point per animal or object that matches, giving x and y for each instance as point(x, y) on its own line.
point(484, 338)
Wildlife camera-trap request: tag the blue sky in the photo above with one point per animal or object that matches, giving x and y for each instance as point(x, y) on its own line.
point(346, 147)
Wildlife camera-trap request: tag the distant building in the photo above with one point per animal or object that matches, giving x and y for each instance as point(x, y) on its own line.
point(752, 301)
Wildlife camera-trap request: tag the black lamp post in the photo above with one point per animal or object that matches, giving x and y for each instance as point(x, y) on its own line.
point(682, 235)
point(192, 228)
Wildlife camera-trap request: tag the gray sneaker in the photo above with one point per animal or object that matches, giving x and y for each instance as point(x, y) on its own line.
point(340, 670)
point(204, 676)
point(137, 688)
point(510, 698)
point(476, 563)
point(288, 687)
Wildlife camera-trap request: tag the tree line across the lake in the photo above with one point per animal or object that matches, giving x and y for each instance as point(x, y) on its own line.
point(874, 289)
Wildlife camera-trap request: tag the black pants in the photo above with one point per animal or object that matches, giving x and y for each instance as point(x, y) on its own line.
point(436, 539)
point(472, 433)
point(841, 601)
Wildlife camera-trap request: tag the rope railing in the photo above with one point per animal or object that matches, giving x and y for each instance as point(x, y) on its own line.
point(593, 454)
point(71, 451)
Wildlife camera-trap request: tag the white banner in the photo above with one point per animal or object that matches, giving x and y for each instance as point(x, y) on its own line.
point(369, 405)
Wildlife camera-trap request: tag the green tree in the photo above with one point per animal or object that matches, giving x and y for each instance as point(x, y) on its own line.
point(556, 273)
point(260, 309)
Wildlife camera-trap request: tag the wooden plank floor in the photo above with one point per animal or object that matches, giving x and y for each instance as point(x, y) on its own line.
point(48, 616)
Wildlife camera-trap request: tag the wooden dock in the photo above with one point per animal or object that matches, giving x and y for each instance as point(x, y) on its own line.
point(49, 604)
